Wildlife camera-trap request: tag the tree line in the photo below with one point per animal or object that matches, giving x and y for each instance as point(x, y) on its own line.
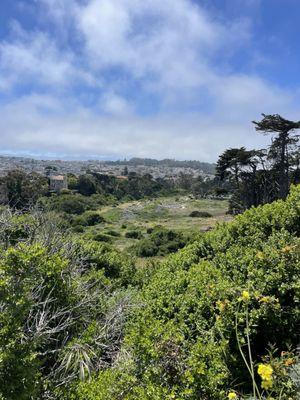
point(251, 177)
point(21, 190)
point(264, 175)
point(206, 167)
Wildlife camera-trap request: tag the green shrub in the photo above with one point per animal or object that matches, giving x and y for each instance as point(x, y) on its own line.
point(101, 237)
point(116, 266)
point(146, 248)
point(65, 191)
point(75, 203)
point(68, 203)
point(113, 233)
point(28, 272)
point(133, 234)
point(200, 214)
point(160, 242)
point(78, 229)
point(89, 218)
point(239, 280)
point(237, 285)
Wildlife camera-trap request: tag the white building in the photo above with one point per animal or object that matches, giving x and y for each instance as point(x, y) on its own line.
point(58, 182)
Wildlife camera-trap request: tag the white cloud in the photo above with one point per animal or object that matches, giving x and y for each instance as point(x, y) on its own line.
point(115, 105)
point(173, 50)
point(168, 44)
point(240, 96)
point(42, 124)
point(34, 58)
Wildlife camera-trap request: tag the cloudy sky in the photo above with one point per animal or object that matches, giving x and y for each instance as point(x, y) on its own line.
point(150, 78)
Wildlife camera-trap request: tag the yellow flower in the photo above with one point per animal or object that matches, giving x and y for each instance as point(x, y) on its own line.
point(265, 299)
point(245, 296)
point(267, 384)
point(265, 371)
point(232, 396)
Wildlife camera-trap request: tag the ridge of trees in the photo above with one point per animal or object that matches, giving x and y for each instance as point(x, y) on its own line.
point(264, 175)
point(206, 167)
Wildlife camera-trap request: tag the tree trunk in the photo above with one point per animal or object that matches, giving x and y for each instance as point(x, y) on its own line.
point(283, 167)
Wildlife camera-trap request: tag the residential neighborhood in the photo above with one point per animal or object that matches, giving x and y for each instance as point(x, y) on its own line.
point(63, 167)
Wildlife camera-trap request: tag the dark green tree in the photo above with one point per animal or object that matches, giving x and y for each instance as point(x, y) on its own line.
point(280, 149)
point(87, 185)
point(22, 190)
point(231, 163)
point(50, 170)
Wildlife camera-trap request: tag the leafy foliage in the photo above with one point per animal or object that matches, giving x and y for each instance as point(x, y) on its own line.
point(78, 321)
point(183, 342)
point(159, 242)
point(63, 307)
point(133, 234)
point(20, 190)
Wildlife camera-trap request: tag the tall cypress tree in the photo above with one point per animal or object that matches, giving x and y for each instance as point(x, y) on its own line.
point(279, 151)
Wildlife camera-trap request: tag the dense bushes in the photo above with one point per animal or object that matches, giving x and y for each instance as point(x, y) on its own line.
point(100, 237)
point(78, 322)
point(21, 190)
point(133, 234)
point(75, 203)
point(237, 282)
point(63, 307)
point(89, 218)
point(160, 242)
point(70, 204)
point(200, 214)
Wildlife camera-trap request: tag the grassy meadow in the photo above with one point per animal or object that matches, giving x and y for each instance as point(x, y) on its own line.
point(167, 212)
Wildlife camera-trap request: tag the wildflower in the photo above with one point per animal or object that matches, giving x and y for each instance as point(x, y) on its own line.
point(289, 361)
point(264, 299)
point(232, 396)
point(265, 371)
point(245, 296)
point(267, 384)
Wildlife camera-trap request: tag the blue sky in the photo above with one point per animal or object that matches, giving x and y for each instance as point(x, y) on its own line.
point(118, 78)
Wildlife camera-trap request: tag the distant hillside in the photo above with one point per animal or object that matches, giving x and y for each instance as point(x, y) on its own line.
point(208, 168)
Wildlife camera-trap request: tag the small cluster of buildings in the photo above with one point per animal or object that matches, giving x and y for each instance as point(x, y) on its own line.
point(57, 170)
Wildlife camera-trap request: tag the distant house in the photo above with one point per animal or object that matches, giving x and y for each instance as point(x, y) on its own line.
point(58, 182)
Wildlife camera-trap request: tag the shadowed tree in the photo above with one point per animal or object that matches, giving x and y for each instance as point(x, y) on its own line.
point(231, 163)
point(281, 145)
point(240, 167)
point(21, 190)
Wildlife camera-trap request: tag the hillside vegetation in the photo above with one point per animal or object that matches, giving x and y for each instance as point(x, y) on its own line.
point(218, 319)
point(239, 282)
